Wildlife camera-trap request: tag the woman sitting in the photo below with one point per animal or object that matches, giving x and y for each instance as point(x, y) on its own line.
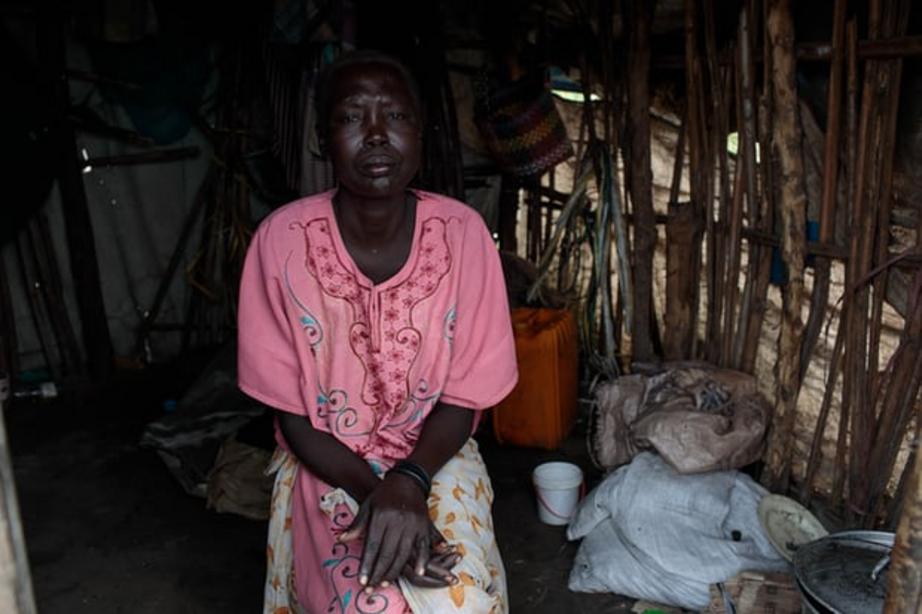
point(374, 319)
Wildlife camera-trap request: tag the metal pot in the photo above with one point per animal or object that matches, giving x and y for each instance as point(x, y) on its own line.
point(844, 573)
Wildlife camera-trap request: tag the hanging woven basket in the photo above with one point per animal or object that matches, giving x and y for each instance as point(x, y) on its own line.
point(522, 128)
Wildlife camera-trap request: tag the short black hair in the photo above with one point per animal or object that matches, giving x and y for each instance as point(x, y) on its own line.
point(323, 91)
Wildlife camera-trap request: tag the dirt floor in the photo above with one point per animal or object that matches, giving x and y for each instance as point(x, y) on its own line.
point(109, 530)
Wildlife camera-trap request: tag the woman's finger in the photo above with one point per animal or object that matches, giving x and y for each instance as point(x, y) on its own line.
point(436, 538)
point(370, 554)
point(355, 530)
point(436, 576)
point(445, 561)
point(401, 557)
point(441, 568)
point(389, 545)
point(422, 554)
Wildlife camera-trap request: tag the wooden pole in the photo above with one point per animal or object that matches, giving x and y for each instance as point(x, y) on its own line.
point(683, 237)
point(856, 368)
point(787, 136)
point(78, 224)
point(695, 137)
point(889, 114)
point(15, 580)
point(816, 447)
point(761, 258)
point(9, 354)
point(508, 213)
point(720, 96)
point(681, 287)
point(639, 15)
point(840, 469)
point(748, 159)
point(745, 182)
point(904, 580)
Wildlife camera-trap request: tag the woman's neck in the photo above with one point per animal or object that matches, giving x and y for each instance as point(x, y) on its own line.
point(371, 223)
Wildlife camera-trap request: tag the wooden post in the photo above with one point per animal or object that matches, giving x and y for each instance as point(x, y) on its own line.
point(508, 213)
point(15, 581)
point(793, 210)
point(904, 580)
point(683, 234)
point(683, 242)
point(641, 184)
point(78, 224)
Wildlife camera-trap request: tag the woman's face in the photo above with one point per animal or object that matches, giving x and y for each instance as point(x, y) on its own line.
point(374, 136)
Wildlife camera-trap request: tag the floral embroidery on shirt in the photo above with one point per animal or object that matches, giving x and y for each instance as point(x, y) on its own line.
point(383, 334)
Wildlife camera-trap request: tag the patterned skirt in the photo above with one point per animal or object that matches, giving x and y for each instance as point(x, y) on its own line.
point(460, 507)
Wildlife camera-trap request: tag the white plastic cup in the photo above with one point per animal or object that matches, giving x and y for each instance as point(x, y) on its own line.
point(558, 486)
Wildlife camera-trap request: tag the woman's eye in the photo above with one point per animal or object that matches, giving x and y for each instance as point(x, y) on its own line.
point(398, 115)
point(348, 118)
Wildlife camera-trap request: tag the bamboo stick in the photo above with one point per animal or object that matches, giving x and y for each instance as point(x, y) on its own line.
point(765, 220)
point(792, 209)
point(856, 343)
point(820, 297)
point(714, 206)
point(890, 111)
point(819, 430)
point(731, 288)
point(40, 321)
point(748, 160)
point(840, 469)
point(695, 137)
point(48, 284)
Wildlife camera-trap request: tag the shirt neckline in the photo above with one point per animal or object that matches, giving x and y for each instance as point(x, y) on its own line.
point(346, 258)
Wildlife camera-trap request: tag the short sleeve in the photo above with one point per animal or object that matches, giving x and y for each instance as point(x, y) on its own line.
point(270, 365)
point(483, 364)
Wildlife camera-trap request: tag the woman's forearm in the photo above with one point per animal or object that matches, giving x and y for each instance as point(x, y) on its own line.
point(446, 429)
point(326, 457)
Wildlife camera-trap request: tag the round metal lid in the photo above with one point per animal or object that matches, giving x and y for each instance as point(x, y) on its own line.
point(846, 572)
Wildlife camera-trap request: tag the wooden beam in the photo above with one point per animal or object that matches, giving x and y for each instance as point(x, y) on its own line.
point(144, 157)
point(881, 49)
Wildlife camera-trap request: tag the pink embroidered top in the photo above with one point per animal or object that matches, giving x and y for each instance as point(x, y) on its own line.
point(367, 362)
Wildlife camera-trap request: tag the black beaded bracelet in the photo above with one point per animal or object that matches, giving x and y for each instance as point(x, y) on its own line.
point(416, 472)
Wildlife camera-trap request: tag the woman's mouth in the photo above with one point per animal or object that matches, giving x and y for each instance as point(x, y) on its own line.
point(377, 166)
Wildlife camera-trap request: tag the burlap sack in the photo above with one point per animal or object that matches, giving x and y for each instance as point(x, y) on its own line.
point(238, 483)
point(696, 416)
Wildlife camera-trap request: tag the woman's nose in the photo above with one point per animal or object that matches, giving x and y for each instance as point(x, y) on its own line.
point(375, 130)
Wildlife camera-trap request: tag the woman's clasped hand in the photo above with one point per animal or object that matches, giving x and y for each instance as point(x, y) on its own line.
point(400, 539)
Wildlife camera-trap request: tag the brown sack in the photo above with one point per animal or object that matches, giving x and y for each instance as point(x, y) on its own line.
point(238, 482)
point(697, 417)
